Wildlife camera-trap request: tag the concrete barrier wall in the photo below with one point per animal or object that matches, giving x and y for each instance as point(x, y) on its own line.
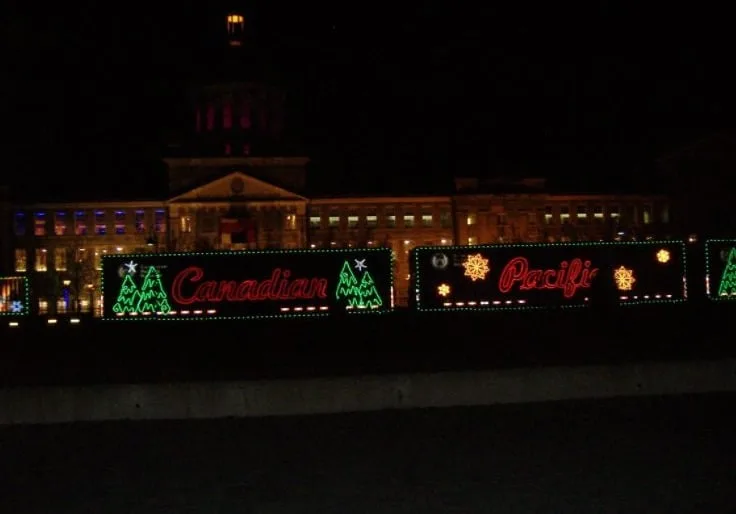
point(40, 405)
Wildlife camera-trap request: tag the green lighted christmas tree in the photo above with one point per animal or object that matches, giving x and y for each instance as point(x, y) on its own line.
point(347, 286)
point(369, 296)
point(153, 297)
point(357, 294)
point(128, 297)
point(727, 286)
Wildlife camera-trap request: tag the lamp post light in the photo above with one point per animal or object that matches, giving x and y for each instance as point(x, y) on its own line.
point(152, 243)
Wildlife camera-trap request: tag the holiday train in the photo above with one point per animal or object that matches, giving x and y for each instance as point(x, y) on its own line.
point(319, 283)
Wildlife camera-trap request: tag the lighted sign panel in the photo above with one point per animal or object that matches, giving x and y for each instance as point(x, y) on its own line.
point(534, 276)
point(250, 284)
point(720, 272)
point(13, 296)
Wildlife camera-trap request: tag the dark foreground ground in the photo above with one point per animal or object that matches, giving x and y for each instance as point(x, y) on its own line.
point(671, 455)
point(402, 342)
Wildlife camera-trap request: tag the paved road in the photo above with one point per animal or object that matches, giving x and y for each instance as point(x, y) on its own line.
point(669, 455)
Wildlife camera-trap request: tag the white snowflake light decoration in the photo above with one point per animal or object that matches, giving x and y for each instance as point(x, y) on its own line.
point(16, 306)
point(476, 267)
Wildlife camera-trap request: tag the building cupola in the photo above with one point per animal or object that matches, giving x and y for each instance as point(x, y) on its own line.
point(235, 29)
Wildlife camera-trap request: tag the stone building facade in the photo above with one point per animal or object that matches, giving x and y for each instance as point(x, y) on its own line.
point(242, 203)
point(5, 248)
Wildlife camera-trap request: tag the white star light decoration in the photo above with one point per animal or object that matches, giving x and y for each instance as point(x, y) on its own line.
point(16, 306)
point(360, 264)
point(131, 266)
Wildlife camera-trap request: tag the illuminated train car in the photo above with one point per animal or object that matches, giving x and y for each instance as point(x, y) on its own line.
point(720, 269)
point(555, 275)
point(14, 298)
point(247, 285)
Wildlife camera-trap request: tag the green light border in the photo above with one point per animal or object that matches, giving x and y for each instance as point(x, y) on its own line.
point(290, 251)
point(707, 244)
point(519, 308)
point(26, 303)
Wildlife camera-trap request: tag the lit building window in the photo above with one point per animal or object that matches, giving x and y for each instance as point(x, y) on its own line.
point(60, 224)
point(426, 220)
point(39, 224)
point(614, 211)
point(291, 222)
point(159, 222)
point(353, 221)
point(598, 212)
point(100, 225)
point(445, 219)
point(565, 215)
point(41, 259)
point(140, 222)
point(21, 260)
point(185, 223)
point(408, 220)
point(391, 221)
point(210, 117)
point(80, 223)
point(60, 256)
point(647, 214)
point(227, 116)
point(472, 240)
point(472, 219)
point(548, 215)
point(315, 221)
point(20, 224)
point(334, 221)
point(245, 122)
point(582, 212)
point(120, 222)
point(371, 221)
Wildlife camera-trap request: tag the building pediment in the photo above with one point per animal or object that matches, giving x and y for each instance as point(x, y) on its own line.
point(237, 186)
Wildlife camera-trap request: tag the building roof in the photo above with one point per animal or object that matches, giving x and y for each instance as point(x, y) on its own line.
point(714, 145)
point(351, 186)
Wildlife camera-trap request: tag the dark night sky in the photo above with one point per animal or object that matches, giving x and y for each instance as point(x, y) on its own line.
point(443, 88)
